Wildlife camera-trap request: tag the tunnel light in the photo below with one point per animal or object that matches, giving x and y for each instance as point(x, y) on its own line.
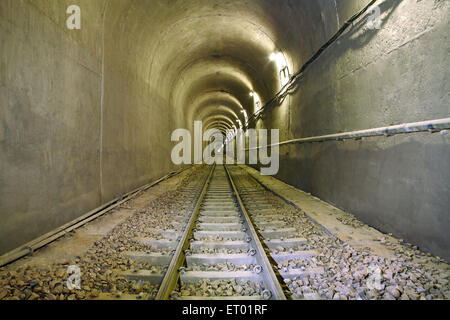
point(245, 116)
point(258, 105)
point(280, 60)
point(273, 56)
point(284, 76)
point(256, 101)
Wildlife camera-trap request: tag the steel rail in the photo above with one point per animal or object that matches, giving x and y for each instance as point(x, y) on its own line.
point(269, 278)
point(278, 195)
point(171, 276)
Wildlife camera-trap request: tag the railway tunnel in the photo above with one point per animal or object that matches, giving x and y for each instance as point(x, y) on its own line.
point(353, 96)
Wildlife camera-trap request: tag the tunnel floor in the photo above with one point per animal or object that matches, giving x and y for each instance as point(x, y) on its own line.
point(226, 233)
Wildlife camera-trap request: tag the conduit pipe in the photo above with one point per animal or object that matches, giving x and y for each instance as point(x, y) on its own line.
point(432, 126)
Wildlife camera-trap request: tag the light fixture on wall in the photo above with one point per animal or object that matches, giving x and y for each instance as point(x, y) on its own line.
point(282, 67)
point(256, 101)
point(245, 116)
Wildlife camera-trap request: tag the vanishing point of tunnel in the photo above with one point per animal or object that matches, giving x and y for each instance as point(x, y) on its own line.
point(224, 149)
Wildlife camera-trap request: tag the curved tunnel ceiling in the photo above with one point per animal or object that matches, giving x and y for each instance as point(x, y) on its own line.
point(218, 119)
point(208, 101)
point(204, 56)
point(215, 111)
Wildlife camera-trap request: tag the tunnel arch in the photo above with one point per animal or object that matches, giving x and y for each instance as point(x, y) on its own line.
point(139, 69)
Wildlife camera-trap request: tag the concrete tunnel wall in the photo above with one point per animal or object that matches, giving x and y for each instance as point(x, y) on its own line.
point(79, 124)
point(370, 79)
point(87, 115)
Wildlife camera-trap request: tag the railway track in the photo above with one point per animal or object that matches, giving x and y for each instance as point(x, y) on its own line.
point(236, 241)
point(237, 246)
point(281, 229)
point(221, 235)
point(220, 254)
point(157, 242)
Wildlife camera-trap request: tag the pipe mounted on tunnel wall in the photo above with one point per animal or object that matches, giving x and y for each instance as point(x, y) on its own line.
point(439, 125)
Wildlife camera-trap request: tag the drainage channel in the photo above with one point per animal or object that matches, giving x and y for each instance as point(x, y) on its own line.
point(219, 255)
